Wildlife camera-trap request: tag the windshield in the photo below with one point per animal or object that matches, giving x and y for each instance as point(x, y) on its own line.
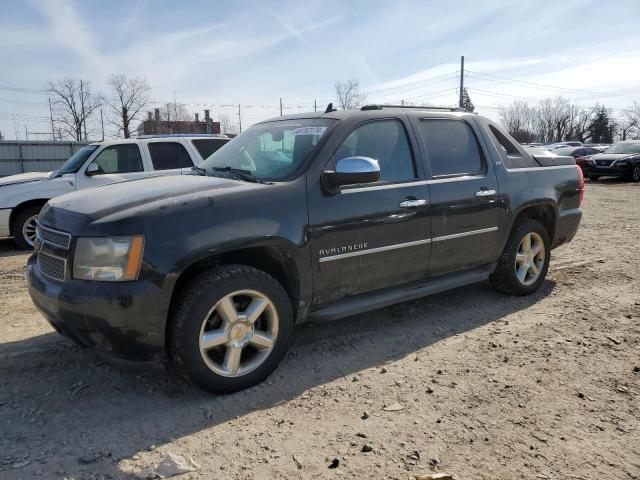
point(75, 161)
point(272, 150)
point(623, 148)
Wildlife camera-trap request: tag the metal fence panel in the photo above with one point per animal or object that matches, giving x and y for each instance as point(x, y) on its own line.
point(34, 156)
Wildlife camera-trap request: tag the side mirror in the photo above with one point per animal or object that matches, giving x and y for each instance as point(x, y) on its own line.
point(353, 170)
point(92, 170)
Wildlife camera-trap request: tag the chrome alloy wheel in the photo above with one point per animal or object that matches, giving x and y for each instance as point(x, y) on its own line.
point(239, 333)
point(530, 258)
point(29, 229)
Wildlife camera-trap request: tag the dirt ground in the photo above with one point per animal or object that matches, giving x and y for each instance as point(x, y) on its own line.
point(491, 387)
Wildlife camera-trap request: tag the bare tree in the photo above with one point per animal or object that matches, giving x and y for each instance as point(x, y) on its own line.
point(349, 94)
point(73, 104)
point(227, 125)
point(127, 98)
point(174, 112)
point(553, 119)
point(630, 123)
point(518, 119)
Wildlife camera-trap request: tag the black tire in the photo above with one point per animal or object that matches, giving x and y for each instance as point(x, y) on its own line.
point(634, 176)
point(191, 309)
point(504, 277)
point(18, 224)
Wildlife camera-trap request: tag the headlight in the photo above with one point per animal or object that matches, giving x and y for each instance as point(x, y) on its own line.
point(622, 163)
point(108, 259)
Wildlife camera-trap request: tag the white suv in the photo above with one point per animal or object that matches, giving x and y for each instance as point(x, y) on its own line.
point(22, 196)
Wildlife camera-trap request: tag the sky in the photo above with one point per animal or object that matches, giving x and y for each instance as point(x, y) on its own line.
point(216, 55)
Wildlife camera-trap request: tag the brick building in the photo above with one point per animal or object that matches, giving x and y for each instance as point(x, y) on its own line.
point(154, 125)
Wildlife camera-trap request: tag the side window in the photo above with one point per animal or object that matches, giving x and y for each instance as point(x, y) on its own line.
point(169, 155)
point(578, 153)
point(384, 141)
point(119, 159)
point(207, 146)
point(511, 156)
point(505, 144)
point(452, 147)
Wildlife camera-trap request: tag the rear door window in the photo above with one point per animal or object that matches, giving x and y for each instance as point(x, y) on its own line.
point(169, 155)
point(207, 146)
point(452, 147)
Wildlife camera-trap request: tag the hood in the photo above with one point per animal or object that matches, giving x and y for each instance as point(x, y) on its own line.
point(99, 202)
point(611, 156)
point(24, 178)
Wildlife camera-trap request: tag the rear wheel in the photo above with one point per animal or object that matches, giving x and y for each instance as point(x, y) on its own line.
point(523, 265)
point(24, 227)
point(231, 327)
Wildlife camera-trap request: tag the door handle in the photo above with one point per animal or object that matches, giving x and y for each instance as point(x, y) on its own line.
point(410, 203)
point(483, 192)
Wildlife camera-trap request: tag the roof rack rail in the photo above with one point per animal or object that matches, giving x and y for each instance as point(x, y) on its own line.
point(182, 135)
point(423, 107)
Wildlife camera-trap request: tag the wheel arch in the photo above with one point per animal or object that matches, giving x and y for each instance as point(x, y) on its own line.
point(274, 259)
point(18, 209)
point(543, 211)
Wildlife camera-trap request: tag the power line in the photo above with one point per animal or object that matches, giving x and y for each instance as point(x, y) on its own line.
point(21, 90)
point(414, 85)
point(547, 87)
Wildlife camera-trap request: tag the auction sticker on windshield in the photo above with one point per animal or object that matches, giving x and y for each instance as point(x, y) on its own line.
point(310, 131)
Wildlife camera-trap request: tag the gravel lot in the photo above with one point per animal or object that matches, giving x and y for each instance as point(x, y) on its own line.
point(491, 387)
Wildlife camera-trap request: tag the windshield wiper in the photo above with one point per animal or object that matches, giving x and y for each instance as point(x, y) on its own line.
point(238, 173)
point(199, 170)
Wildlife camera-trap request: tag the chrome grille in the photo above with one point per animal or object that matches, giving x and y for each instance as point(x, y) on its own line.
point(54, 237)
point(52, 266)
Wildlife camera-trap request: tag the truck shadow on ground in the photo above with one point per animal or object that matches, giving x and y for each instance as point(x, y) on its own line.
point(67, 412)
point(8, 248)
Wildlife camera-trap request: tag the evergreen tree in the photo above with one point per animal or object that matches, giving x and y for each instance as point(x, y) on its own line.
point(601, 127)
point(467, 104)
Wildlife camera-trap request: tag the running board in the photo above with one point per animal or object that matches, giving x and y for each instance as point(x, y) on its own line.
point(382, 298)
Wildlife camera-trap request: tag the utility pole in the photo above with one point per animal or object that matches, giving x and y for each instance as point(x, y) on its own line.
point(280, 106)
point(53, 133)
point(239, 119)
point(461, 80)
point(102, 124)
point(315, 105)
point(83, 120)
point(26, 133)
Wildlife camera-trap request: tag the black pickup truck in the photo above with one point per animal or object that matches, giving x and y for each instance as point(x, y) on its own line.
point(312, 216)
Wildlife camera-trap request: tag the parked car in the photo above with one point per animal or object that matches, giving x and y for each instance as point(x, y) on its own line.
point(572, 143)
point(310, 216)
point(581, 154)
point(22, 196)
point(622, 159)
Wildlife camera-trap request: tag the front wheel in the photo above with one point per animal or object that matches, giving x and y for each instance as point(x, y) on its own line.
point(231, 327)
point(635, 173)
point(523, 265)
point(24, 227)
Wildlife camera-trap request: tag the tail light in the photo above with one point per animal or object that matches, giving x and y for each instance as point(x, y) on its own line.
point(580, 185)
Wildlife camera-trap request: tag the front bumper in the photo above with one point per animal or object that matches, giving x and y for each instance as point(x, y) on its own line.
point(124, 319)
point(5, 226)
point(612, 171)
